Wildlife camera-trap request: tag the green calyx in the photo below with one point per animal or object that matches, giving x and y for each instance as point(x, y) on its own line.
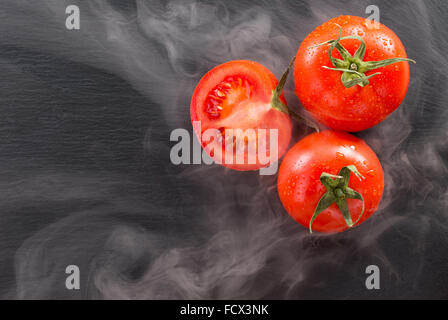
point(338, 192)
point(353, 68)
point(277, 104)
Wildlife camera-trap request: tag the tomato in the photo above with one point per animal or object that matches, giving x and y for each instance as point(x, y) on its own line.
point(348, 100)
point(319, 156)
point(238, 96)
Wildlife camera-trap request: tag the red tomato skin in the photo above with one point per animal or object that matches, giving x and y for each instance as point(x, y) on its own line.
point(264, 83)
point(321, 91)
point(300, 189)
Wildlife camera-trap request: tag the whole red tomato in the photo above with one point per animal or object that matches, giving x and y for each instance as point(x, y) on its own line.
point(351, 80)
point(237, 97)
point(328, 176)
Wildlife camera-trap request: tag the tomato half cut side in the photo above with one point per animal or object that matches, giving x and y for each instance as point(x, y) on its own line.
point(233, 117)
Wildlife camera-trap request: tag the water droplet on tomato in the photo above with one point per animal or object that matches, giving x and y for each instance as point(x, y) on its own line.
point(339, 156)
point(371, 173)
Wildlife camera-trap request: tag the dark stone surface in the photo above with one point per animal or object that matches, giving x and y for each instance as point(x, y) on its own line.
point(86, 179)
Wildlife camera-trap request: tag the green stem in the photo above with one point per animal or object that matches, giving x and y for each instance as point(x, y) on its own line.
point(338, 192)
point(353, 68)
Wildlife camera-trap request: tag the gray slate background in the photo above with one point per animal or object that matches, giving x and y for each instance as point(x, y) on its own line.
point(85, 176)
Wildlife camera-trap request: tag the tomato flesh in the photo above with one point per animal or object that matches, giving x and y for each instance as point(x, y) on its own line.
point(229, 92)
point(300, 188)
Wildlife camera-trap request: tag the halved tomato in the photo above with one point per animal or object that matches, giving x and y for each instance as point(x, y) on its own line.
point(236, 118)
